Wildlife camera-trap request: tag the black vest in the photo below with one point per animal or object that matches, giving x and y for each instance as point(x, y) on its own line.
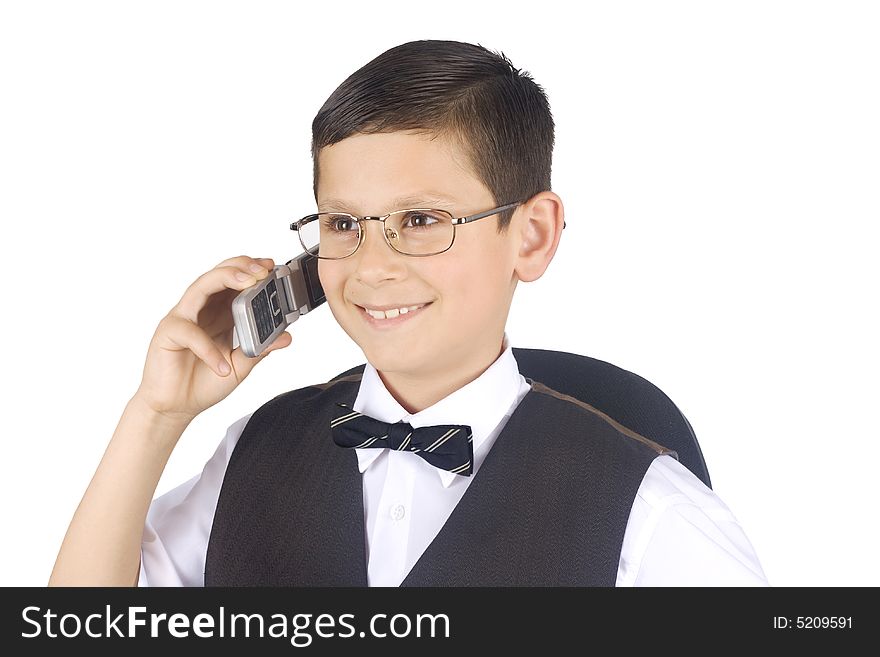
point(548, 506)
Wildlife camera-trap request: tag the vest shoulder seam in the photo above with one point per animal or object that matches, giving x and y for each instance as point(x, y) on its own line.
point(539, 387)
point(357, 376)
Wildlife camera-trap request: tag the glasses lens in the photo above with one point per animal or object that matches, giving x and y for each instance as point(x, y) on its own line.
point(420, 232)
point(330, 235)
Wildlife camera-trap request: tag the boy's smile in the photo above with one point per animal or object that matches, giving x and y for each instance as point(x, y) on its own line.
point(446, 313)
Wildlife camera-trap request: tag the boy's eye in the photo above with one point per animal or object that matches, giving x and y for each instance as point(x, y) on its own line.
point(340, 224)
point(419, 219)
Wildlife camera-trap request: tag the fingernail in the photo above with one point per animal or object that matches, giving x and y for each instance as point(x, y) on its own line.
point(240, 275)
point(224, 368)
point(255, 268)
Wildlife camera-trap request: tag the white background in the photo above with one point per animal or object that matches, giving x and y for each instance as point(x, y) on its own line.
point(719, 164)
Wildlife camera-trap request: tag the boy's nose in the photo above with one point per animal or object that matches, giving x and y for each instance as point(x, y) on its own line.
point(375, 259)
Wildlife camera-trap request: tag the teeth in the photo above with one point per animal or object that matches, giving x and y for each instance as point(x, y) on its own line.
point(390, 314)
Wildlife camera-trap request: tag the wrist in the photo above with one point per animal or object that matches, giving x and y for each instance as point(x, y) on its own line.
point(147, 417)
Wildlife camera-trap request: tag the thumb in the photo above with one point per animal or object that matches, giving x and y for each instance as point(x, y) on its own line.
point(280, 342)
point(242, 364)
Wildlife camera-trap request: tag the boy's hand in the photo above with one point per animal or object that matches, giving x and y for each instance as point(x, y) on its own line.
point(190, 362)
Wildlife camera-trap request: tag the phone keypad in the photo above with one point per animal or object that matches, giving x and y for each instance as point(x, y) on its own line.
point(267, 311)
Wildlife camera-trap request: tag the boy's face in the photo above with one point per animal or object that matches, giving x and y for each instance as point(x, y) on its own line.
point(468, 288)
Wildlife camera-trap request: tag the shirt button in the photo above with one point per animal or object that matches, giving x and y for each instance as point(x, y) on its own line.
point(398, 511)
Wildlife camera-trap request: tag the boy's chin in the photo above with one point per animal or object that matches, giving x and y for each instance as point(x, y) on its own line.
point(390, 359)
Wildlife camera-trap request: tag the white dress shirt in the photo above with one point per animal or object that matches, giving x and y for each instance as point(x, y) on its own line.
point(679, 532)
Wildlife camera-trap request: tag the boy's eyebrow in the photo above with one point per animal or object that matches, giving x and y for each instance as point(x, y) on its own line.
point(419, 200)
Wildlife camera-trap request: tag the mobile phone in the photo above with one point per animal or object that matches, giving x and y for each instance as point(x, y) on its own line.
point(262, 311)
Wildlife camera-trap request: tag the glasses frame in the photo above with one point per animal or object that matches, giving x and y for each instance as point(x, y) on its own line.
point(297, 225)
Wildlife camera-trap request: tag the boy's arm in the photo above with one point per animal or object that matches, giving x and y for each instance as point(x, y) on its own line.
point(190, 366)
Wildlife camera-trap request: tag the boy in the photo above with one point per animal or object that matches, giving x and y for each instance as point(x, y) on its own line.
point(293, 495)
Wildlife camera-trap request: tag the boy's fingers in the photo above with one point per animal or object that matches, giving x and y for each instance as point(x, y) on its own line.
point(243, 262)
point(184, 334)
point(210, 283)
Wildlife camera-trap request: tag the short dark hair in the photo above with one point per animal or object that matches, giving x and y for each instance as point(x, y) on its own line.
point(495, 112)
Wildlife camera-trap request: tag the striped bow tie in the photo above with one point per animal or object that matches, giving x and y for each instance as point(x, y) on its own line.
point(445, 446)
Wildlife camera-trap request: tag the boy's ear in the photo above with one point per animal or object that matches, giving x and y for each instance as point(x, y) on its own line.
point(538, 230)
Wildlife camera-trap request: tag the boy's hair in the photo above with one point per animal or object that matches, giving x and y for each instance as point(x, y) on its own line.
point(496, 113)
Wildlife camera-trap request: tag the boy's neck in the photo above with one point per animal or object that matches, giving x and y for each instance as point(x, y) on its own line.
point(416, 393)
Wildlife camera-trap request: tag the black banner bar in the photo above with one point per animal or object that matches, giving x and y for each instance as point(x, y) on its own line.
point(281, 620)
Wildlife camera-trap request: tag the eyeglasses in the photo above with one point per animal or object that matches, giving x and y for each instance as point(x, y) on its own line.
point(415, 232)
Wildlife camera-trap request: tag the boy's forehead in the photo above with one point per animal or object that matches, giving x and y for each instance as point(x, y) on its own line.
point(397, 170)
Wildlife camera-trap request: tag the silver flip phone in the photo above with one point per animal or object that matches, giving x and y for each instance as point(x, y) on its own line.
point(262, 311)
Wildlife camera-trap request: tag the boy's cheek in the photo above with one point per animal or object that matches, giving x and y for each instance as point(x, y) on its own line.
point(339, 309)
point(332, 285)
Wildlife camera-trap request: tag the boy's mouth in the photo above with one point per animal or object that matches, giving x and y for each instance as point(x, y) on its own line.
point(393, 316)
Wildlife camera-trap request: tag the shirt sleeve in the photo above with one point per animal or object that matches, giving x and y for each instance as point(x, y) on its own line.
point(680, 533)
point(178, 523)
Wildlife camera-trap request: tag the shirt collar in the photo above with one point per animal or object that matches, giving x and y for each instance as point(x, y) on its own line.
point(481, 404)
